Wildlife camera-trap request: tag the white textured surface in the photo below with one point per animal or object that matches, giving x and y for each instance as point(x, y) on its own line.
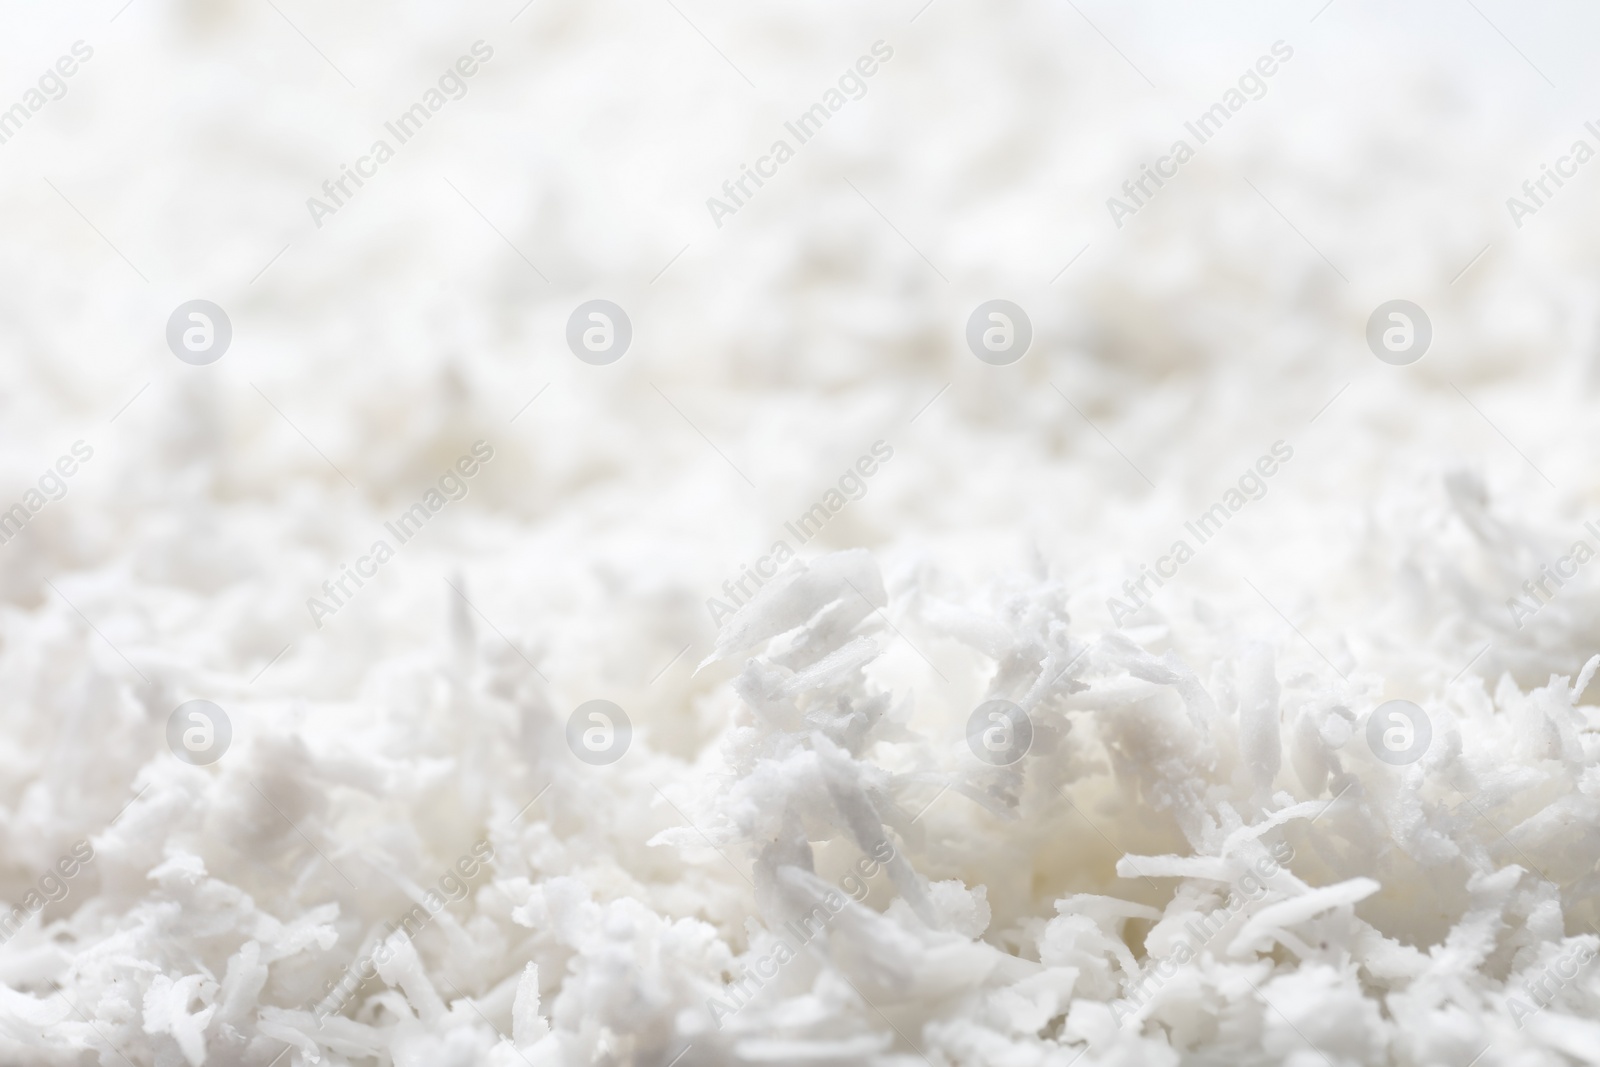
point(1021, 909)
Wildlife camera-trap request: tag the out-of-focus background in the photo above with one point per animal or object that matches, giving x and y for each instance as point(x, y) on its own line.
point(977, 164)
point(377, 336)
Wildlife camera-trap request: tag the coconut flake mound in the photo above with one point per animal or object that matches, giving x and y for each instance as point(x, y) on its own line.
point(802, 898)
point(801, 859)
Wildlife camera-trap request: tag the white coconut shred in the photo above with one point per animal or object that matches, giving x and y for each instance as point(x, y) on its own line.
point(767, 670)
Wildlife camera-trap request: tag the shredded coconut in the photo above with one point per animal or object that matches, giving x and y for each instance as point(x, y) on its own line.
point(693, 729)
